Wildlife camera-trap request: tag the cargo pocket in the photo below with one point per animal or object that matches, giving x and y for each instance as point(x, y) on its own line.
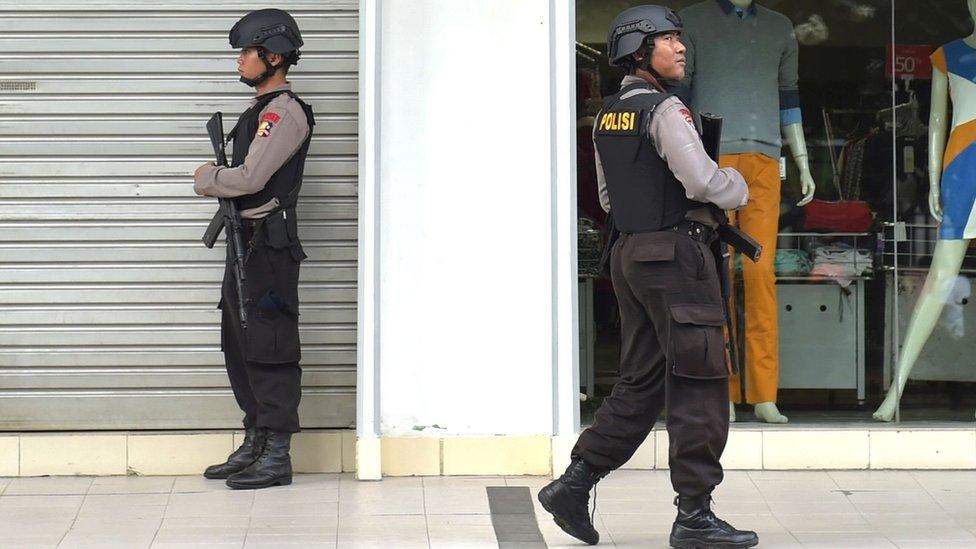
point(282, 231)
point(277, 234)
point(272, 331)
point(696, 343)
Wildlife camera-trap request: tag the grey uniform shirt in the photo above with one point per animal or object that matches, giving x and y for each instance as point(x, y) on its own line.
point(269, 151)
point(673, 133)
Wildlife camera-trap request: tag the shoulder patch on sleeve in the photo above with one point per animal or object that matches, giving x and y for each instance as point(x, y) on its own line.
point(264, 128)
point(272, 117)
point(618, 123)
point(688, 117)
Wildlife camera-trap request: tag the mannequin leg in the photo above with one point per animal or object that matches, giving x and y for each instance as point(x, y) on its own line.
point(946, 262)
point(760, 219)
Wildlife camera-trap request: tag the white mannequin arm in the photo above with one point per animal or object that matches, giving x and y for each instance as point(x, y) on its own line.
point(937, 139)
point(793, 134)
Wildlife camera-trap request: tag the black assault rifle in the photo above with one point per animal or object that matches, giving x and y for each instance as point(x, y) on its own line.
point(227, 216)
point(728, 234)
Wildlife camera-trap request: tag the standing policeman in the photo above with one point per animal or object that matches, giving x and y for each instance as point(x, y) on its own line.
point(657, 180)
point(271, 141)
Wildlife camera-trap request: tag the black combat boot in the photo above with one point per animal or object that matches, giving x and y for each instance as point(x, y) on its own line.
point(697, 527)
point(272, 466)
point(568, 499)
point(240, 458)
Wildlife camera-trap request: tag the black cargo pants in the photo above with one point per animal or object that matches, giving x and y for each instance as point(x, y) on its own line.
point(262, 361)
point(672, 356)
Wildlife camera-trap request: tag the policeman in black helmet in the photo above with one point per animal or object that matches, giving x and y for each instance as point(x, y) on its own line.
point(271, 141)
point(659, 184)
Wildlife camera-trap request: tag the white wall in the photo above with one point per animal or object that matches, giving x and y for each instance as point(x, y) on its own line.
point(466, 204)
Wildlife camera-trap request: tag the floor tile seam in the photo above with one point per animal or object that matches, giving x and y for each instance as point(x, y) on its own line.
point(169, 500)
point(247, 530)
point(756, 486)
point(423, 490)
point(77, 513)
point(605, 529)
point(338, 504)
point(930, 494)
point(854, 505)
point(785, 529)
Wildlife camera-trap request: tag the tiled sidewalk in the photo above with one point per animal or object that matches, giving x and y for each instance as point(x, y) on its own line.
point(789, 509)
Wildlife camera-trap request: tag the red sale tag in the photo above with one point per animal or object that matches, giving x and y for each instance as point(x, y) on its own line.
point(908, 61)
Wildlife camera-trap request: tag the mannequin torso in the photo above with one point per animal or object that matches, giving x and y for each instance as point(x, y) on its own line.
point(961, 86)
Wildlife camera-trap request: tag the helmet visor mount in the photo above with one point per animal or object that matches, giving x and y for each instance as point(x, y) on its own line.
point(276, 38)
point(644, 27)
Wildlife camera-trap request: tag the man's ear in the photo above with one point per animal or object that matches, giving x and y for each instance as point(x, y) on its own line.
point(639, 54)
point(275, 59)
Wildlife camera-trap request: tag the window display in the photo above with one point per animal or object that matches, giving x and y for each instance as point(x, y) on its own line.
point(952, 194)
point(742, 64)
point(837, 113)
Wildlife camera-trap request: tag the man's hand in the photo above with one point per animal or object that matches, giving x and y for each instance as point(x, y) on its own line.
point(201, 168)
point(198, 174)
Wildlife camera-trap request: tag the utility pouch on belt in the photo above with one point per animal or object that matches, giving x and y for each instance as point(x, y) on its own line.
point(276, 232)
point(281, 229)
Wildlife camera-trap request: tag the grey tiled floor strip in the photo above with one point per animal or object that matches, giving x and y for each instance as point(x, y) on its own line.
point(513, 517)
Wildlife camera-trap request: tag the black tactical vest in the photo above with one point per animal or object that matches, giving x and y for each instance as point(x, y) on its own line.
point(284, 183)
point(644, 195)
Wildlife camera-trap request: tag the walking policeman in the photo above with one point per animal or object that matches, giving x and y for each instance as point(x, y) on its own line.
point(271, 141)
point(657, 181)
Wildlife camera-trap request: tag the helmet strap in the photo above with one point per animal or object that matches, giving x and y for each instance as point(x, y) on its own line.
point(645, 65)
point(269, 71)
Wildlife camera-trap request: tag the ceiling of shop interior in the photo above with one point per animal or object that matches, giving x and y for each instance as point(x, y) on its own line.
point(848, 21)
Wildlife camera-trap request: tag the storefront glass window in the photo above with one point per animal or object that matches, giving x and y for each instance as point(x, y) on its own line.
point(837, 94)
point(928, 279)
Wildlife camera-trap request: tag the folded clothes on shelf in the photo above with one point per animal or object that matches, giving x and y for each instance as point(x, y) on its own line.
point(788, 262)
point(841, 260)
point(791, 262)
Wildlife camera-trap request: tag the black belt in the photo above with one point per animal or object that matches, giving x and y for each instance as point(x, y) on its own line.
point(256, 222)
point(697, 231)
point(694, 229)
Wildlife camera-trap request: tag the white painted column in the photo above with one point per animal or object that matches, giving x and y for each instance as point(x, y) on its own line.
point(468, 219)
point(566, 422)
point(367, 344)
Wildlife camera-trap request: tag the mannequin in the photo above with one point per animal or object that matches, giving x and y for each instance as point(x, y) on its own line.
point(950, 171)
point(730, 33)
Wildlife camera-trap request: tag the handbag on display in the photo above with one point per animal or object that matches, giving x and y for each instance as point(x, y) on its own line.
point(849, 214)
point(841, 216)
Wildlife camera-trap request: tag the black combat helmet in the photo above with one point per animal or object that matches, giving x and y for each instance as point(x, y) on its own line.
point(629, 30)
point(272, 29)
point(268, 30)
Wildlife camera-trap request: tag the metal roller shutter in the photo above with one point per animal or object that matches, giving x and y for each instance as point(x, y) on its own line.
point(107, 296)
